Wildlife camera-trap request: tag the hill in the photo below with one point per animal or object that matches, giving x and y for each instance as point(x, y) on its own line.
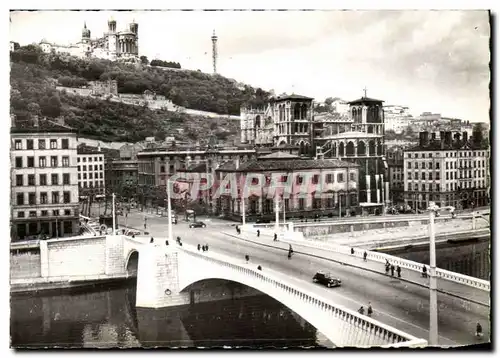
point(34, 75)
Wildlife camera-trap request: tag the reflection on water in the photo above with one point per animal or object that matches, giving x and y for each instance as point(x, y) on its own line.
point(108, 318)
point(468, 258)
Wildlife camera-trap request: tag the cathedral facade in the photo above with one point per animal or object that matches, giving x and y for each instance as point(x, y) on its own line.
point(113, 45)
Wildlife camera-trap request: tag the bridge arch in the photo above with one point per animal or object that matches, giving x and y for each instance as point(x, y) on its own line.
point(132, 262)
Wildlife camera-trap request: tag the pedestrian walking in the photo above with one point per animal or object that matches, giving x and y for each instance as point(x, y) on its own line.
point(392, 270)
point(206, 247)
point(247, 258)
point(152, 240)
point(352, 251)
point(237, 228)
point(424, 271)
point(370, 309)
point(259, 268)
point(479, 330)
point(387, 267)
point(199, 247)
point(398, 269)
point(361, 310)
point(166, 242)
point(275, 237)
point(203, 248)
point(364, 256)
point(258, 233)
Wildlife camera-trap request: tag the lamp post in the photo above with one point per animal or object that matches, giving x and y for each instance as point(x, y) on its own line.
point(113, 213)
point(169, 212)
point(277, 213)
point(433, 311)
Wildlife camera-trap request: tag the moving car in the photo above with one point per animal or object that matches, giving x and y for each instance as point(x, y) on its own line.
point(326, 279)
point(197, 224)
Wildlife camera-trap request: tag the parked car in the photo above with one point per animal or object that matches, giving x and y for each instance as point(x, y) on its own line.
point(326, 279)
point(262, 221)
point(197, 224)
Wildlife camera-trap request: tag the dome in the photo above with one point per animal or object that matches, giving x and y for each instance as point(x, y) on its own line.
point(111, 21)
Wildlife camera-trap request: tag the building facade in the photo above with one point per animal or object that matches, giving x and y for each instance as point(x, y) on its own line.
point(397, 118)
point(113, 45)
point(286, 120)
point(91, 170)
point(450, 170)
point(316, 188)
point(359, 140)
point(44, 182)
point(395, 163)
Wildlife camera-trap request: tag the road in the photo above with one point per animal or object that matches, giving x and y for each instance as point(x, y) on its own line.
point(402, 305)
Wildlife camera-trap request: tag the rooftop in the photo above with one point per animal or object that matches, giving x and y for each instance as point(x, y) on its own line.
point(292, 96)
point(195, 168)
point(455, 145)
point(279, 155)
point(286, 165)
point(366, 100)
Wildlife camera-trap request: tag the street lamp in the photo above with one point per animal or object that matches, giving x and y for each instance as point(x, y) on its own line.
point(169, 212)
point(433, 312)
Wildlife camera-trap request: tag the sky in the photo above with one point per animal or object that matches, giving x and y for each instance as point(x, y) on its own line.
point(435, 61)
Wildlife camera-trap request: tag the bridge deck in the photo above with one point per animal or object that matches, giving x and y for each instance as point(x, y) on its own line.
point(462, 291)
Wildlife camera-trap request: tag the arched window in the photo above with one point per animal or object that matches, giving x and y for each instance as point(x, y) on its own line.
point(341, 149)
point(296, 111)
point(350, 149)
point(257, 122)
point(306, 149)
point(379, 148)
point(361, 148)
point(370, 129)
point(334, 150)
point(354, 114)
point(371, 147)
point(303, 114)
point(301, 148)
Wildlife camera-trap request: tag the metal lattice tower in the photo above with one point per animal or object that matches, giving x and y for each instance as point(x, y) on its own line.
point(214, 51)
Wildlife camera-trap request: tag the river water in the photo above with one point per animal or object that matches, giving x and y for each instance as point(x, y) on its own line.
point(107, 317)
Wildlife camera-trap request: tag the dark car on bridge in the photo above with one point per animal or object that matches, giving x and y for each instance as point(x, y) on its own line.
point(326, 279)
point(197, 224)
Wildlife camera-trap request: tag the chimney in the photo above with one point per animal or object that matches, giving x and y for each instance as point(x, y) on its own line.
point(465, 137)
point(426, 138)
point(447, 139)
point(98, 146)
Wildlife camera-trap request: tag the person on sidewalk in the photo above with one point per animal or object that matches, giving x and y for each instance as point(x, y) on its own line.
point(361, 310)
point(364, 256)
point(398, 269)
point(479, 330)
point(237, 228)
point(203, 248)
point(152, 240)
point(166, 242)
point(275, 237)
point(199, 247)
point(370, 309)
point(387, 267)
point(206, 247)
point(247, 258)
point(259, 268)
point(424, 271)
point(352, 251)
point(392, 270)
point(258, 233)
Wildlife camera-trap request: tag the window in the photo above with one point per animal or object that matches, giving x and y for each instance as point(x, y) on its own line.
point(100, 166)
point(352, 176)
point(315, 179)
point(84, 159)
point(42, 162)
point(54, 179)
point(102, 186)
point(437, 165)
point(301, 204)
point(96, 183)
point(447, 176)
point(53, 144)
point(43, 179)
point(423, 155)
point(430, 176)
point(20, 214)
point(67, 212)
point(19, 162)
point(32, 199)
point(19, 180)
point(84, 168)
point(20, 199)
point(416, 165)
point(162, 168)
point(53, 161)
point(409, 176)
point(438, 176)
point(430, 165)
point(55, 197)
point(66, 178)
point(43, 198)
point(18, 144)
point(340, 177)
point(409, 165)
point(29, 144)
point(316, 203)
point(90, 175)
point(31, 179)
point(64, 144)
point(84, 175)
point(284, 178)
point(299, 179)
point(416, 176)
point(31, 162)
point(430, 155)
point(65, 161)
point(423, 176)
point(329, 178)
point(44, 213)
point(66, 197)
point(55, 212)
point(41, 144)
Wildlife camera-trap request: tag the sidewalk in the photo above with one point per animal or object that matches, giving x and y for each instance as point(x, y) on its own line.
point(444, 286)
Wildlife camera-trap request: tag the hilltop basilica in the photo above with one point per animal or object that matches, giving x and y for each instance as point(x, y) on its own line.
point(113, 45)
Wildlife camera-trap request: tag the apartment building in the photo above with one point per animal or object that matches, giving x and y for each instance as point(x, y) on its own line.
point(44, 184)
point(449, 170)
point(91, 169)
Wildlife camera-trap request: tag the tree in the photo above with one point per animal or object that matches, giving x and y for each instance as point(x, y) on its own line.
point(329, 101)
point(144, 60)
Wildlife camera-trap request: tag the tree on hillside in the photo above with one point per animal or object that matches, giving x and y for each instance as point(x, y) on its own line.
point(144, 60)
point(329, 101)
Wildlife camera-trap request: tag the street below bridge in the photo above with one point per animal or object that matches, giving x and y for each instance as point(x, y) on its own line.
point(397, 303)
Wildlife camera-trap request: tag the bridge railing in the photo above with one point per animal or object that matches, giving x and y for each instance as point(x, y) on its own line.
point(373, 332)
point(404, 263)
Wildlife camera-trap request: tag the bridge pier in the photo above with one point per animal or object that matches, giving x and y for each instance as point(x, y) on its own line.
point(158, 279)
